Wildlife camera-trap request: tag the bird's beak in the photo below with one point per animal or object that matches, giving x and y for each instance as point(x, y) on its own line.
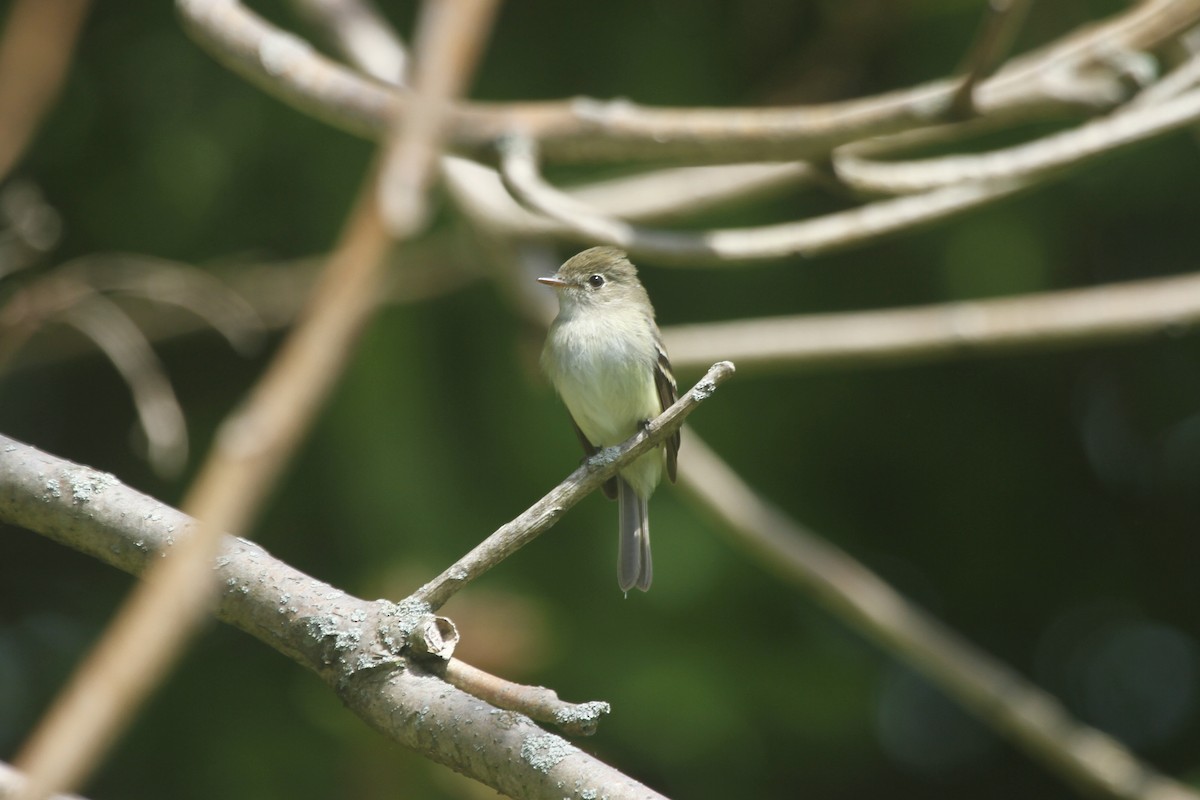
point(556, 282)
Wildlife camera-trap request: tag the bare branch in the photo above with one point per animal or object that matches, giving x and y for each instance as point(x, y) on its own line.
point(1076, 317)
point(449, 39)
point(158, 409)
point(1001, 698)
point(35, 53)
point(539, 517)
point(538, 702)
point(12, 781)
point(251, 449)
point(182, 286)
point(1028, 161)
point(736, 246)
point(362, 35)
point(354, 645)
point(1046, 80)
point(654, 195)
point(1001, 22)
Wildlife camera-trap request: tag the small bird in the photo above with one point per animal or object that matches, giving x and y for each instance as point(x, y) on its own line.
point(606, 359)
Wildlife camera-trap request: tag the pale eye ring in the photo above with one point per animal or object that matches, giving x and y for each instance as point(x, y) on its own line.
point(596, 281)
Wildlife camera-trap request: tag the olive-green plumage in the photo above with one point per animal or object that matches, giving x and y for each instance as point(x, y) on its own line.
point(605, 357)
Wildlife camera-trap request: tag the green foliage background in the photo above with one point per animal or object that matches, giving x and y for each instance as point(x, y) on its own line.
point(1043, 505)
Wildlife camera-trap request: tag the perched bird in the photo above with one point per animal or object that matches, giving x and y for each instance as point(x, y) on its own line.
point(605, 357)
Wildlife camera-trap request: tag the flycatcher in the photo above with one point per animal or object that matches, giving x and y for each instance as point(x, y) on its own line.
point(606, 359)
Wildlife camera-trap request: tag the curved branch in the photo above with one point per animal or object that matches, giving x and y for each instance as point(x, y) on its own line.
point(733, 247)
point(997, 695)
point(354, 645)
point(653, 195)
point(1053, 319)
point(1026, 161)
point(1046, 79)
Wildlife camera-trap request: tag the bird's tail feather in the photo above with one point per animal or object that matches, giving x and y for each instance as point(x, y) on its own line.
point(633, 548)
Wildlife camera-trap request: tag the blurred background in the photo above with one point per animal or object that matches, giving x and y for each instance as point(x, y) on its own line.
point(1045, 506)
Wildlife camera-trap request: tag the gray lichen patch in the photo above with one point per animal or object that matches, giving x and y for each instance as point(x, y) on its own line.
point(582, 713)
point(544, 751)
point(88, 484)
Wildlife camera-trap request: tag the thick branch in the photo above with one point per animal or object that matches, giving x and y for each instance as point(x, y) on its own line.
point(252, 445)
point(353, 644)
point(1055, 319)
point(539, 517)
point(1000, 697)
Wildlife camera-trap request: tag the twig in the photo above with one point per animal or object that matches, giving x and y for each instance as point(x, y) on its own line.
point(35, 53)
point(539, 517)
point(251, 449)
point(1001, 22)
point(158, 410)
point(1028, 161)
point(353, 645)
point(1077, 317)
point(537, 702)
point(1000, 697)
point(362, 35)
point(648, 196)
point(1044, 79)
point(737, 246)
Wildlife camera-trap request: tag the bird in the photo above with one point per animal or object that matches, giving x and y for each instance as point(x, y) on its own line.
point(605, 357)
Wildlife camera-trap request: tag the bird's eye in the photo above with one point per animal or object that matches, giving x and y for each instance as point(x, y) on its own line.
point(596, 281)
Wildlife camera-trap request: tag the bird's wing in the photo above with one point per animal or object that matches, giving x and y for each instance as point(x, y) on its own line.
point(668, 393)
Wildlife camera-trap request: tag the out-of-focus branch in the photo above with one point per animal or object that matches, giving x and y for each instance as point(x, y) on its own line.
point(1049, 80)
point(12, 781)
point(362, 35)
point(161, 418)
point(356, 646)
point(1049, 320)
point(649, 196)
point(736, 246)
point(539, 517)
point(1028, 161)
point(35, 52)
point(409, 165)
point(1001, 698)
point(1002, 20)
point(252, 445)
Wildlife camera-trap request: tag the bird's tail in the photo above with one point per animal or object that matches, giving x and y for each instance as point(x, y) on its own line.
point(633, 548)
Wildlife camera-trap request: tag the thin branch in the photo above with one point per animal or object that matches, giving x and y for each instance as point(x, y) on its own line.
point(251, 449)
point(734, 247)
point(1077, 317)
point(1001, 22)
point(1047, 79)
point(35, 53)
point(178, 285)
point(537, 702)
point(539, 517)
point(355, 646)
point(1032, 719)
point(158, 410)
point(1033, 160)
point(648, 196)
point(362, 35)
